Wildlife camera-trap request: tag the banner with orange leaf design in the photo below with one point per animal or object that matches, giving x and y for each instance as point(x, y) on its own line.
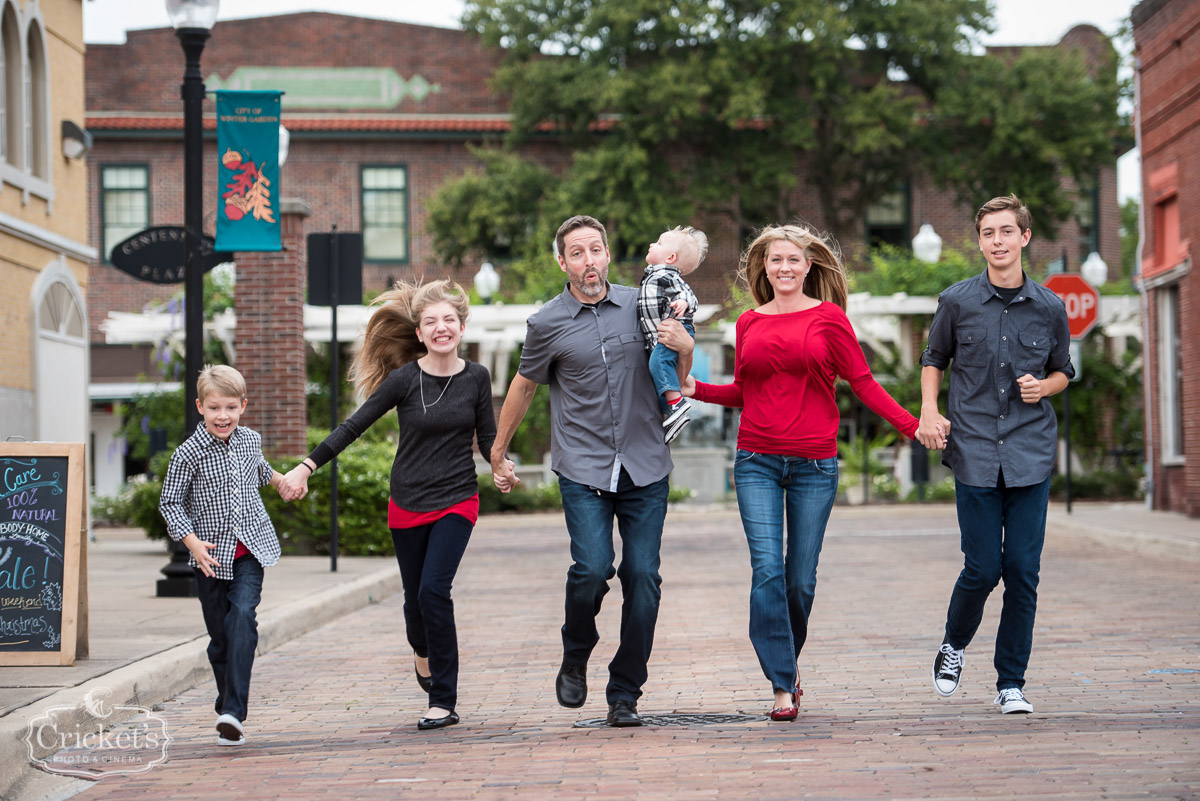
point(248, 198)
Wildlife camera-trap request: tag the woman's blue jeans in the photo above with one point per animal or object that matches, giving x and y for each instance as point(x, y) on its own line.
point(639, 512)
point(770, 488)
point(1002, 531)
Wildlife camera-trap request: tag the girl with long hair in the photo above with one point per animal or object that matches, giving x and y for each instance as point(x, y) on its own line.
point(409, 362)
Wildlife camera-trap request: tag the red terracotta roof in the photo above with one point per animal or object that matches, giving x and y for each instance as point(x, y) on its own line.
point(131, 121)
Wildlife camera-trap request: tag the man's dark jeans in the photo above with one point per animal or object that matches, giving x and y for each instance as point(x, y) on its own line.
point(230, 615)
point(1002, 531)
point(639, 512)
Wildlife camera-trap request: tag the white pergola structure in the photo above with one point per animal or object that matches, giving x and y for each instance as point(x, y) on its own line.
point(497, 329)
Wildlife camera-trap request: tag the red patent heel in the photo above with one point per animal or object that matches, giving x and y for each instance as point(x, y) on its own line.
point(789, 712)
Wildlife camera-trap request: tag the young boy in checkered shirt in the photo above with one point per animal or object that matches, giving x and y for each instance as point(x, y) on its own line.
point(211, 503)
point(664, 293)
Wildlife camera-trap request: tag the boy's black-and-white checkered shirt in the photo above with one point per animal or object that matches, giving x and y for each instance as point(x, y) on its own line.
point(211, 489)
point(662, 284)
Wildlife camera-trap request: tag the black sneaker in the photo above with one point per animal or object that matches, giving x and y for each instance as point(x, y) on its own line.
point(677, 411)
point(947, 670)
point(1011, 699)
point(674, 430)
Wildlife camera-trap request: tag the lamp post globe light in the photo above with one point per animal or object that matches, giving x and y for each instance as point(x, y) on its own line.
point(193, 21)
point(927, 245)
point(1094, 269)
point(487, 281)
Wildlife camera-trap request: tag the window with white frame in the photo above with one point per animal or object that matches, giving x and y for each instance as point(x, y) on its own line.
point(11, 131)
point(37, 102)
point(25, 136)
point(124, 203)
point(1170, 374)
point(385, 213)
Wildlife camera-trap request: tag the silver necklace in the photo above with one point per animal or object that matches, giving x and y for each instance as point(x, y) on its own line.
point(424, 406)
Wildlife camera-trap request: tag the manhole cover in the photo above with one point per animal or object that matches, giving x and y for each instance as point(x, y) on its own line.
point(679, 719)
point(1174, 671)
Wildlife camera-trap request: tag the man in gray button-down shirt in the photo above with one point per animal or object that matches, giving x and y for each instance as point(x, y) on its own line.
point(1006, 340)
point(607, 449)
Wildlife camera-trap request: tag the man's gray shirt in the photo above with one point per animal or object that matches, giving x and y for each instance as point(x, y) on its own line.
point(603, 409)
point(989, 345)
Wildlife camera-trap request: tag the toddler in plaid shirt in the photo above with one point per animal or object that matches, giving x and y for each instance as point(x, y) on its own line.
point(211, 504)
point(664, 293)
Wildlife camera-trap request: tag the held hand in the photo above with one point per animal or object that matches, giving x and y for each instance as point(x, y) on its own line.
point(672, 334)
point(200, 551)
point(295, 483)
point(1031, 388)
point(688, 389)
point(933, 430)
point(678, 307)
point(504, 474)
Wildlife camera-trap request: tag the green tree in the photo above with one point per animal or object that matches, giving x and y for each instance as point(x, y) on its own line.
point(716, 106)
point(1036, 124)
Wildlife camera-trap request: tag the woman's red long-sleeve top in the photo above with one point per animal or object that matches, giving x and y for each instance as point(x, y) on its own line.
point(784, 370)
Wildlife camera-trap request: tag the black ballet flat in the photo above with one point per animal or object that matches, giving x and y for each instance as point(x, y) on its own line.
point(425, 724)
point(426, 682)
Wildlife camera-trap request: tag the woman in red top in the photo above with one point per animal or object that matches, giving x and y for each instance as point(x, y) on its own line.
point(790, 350)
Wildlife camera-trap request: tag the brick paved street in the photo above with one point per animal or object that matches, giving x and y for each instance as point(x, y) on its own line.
point(333, 713)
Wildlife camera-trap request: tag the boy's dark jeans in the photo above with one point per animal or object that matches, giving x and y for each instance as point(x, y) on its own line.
point(230, 615)
point(1002, 531)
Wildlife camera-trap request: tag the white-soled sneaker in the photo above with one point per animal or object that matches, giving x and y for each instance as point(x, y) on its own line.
point(673, 431)
point(947, 670)
point(1011, 699)
point(229, 730)
point(676, 412)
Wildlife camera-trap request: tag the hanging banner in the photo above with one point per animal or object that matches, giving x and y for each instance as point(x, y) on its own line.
point(248, 141)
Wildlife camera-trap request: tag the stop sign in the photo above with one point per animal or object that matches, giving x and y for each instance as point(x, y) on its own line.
point(1081, 298)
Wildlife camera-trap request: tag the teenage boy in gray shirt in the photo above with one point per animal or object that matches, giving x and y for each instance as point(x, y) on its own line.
point(608, 451)
point(1007, 342)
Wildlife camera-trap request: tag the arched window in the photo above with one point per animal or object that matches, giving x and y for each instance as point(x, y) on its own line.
point(37, 104)
point(11, 129)
point(61, 355)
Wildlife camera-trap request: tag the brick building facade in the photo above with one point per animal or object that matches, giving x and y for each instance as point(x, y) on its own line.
point(1167, 46)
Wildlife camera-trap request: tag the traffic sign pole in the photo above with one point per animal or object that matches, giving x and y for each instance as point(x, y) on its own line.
point(1083, 312)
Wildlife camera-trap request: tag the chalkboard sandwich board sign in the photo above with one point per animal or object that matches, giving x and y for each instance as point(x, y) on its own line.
point(43, 556)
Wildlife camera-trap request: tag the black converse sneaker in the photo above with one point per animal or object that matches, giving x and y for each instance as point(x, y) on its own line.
point(675, 420)
point(1011, 699)
point(947, 669)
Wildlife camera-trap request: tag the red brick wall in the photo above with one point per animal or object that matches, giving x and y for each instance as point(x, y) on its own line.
point(1167, 45)
point(270, 337)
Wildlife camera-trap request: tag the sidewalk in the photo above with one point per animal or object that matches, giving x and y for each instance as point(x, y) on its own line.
point(147, 650)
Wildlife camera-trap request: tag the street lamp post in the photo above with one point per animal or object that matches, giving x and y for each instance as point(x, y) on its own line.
point(927, 245)
point(193, 21)
point(487, 282)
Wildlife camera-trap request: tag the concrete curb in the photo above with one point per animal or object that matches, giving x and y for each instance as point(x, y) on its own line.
point(1138, 541)
point(165, 675)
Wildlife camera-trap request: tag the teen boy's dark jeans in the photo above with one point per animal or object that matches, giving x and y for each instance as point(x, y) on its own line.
point(1002, 529)
point(230, 615)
